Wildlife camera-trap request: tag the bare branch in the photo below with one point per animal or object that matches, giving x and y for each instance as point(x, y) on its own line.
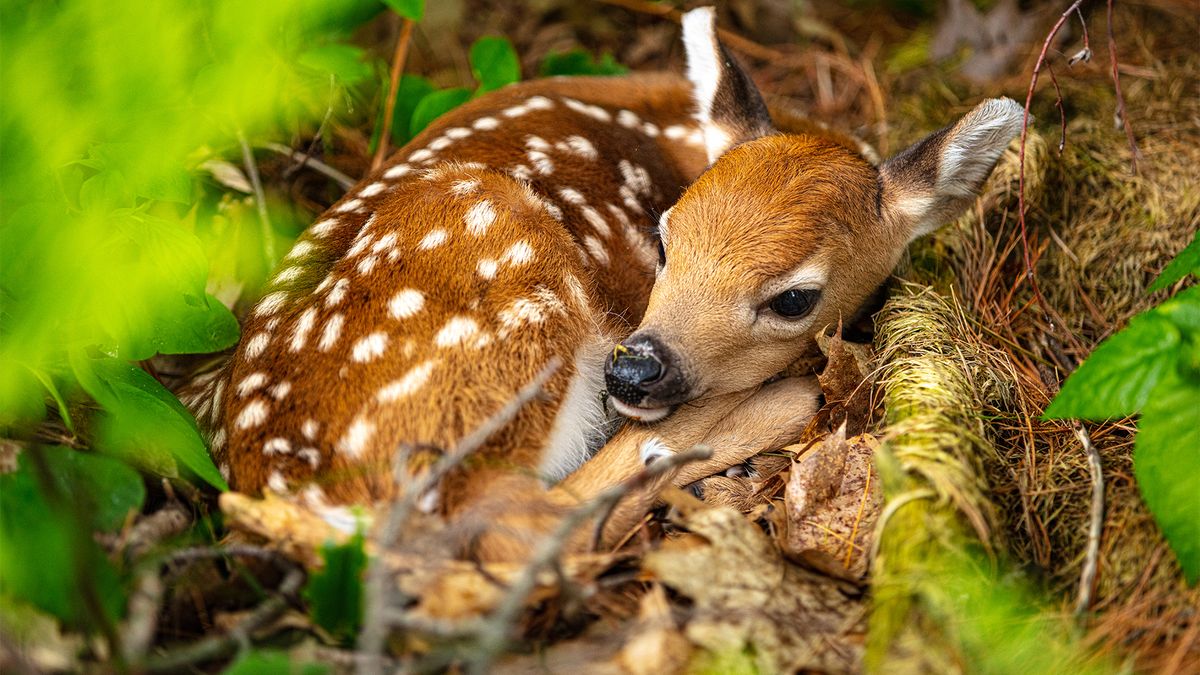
point(260, 199)
point(1122, 117)
point(1087, 576)
point(398, 58)
point(306, 159)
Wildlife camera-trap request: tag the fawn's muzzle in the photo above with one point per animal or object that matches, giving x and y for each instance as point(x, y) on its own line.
point(641, 375)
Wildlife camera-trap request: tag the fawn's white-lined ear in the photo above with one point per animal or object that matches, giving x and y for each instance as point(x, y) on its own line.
point(729, 107)
point(932, 181)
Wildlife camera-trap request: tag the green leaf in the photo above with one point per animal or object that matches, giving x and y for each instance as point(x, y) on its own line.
point(342, 61)
point(494, 63)
point(409, 9)
point(412, 89)
point(142, 422)
point(104, 489)
point(272, 662)
point(336, 591)
point(435, 105)
point(580, 62)
point(1187, 262)
point(1166, 462)
point(46, 540)
point(1117, 378)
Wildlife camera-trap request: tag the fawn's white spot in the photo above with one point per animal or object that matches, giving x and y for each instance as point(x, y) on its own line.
point(277, 446)
point(406, 303)
point(288, 274)
point(464, 187)
point(310, 428)
point(218, 441)
point(578, 145)
point(304, 325)
point(367, 264)
point(537, 143)
point(552, 208)
point(372, 189)
point(479, 217)
point(421, 155)
point(324, 227)
point(331, 332)
point(458, 133)
point(271, 303)
point(650, 129)
point(385, 243)
point(277, 483)
point(256, 345)
point(519, 253)
point(593, 111)
point(303, 247)
point(487, 268)
point(522, 311)
point(456, 331)
point(310, 455)
point(337, 292)
point(251, 383)
point(541, 162)
point(596, 220)
point(572, 196)
point(410, 383)
point(281, 390)
point(397, 171)
point(486, 123)
point(515, 111)
point(675, 132)
point(254, 414)
point(434, 239)
point(596, 249)
point(358, 435)
point(348, 205)
point(628, 119)
point(370, 347)
point(539, 103)
point(440, 143)
point(524, 173)
point(361, 242)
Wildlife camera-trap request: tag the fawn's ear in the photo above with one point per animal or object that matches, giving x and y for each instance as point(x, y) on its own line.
point(729, 107)
point(935, 179)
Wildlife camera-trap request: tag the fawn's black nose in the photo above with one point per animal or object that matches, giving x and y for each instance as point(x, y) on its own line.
point(640, 370)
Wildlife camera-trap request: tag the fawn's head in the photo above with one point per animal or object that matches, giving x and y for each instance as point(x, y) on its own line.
point(781, 236)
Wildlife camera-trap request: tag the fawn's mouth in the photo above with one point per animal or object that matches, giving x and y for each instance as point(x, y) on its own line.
point(639, 413)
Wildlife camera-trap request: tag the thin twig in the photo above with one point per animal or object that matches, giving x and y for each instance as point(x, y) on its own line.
point(1062, 112)
point(1122, 115)
point(1037, 69)
point(217, 647)
point(374, 632)
point(398, 58)
point(305, 159)
point(144, 605)
point(260, 199)
point(494, 631)
point(1087, 577)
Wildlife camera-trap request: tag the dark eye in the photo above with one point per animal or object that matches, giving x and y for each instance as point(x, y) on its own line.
point(662, 253)
point(795, 303)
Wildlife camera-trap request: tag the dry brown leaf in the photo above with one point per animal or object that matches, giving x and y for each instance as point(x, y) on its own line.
point(749, 599)
point(656, 646)
point(845, 381)
point(832, 503)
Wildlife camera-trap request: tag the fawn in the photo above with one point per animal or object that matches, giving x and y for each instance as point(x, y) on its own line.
point(545, 221)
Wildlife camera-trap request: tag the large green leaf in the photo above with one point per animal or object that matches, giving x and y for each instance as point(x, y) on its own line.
point(335, 592)
point(1116, 380)
point(412, 89)
point(494, 63)
point(47, 543)
point(1185, 263)
point(142, 422)
point(435, 105)
point(105, 490)
point(580, 62)
point(1166, 462)
point(409, 9)
point(271, 662)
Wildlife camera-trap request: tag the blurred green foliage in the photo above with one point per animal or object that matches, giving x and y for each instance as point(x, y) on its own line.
point(335, 592)
point(580, 62)
point(1152, 367)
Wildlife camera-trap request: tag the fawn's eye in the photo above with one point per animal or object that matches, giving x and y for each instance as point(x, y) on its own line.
point(795, 303)
point(662, 253)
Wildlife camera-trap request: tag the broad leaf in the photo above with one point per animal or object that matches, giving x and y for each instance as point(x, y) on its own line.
point(46, 540)
point(409, 9)
point(435, 105)
point(142, 422)
point(1187, 262)
point(580, 62)
point(1116, 380)
point(104, 489)
point(1166, 462)
point(494, 63)
point(343, 61)
point(335, 592)
point(412, 89)
point(271, 662)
